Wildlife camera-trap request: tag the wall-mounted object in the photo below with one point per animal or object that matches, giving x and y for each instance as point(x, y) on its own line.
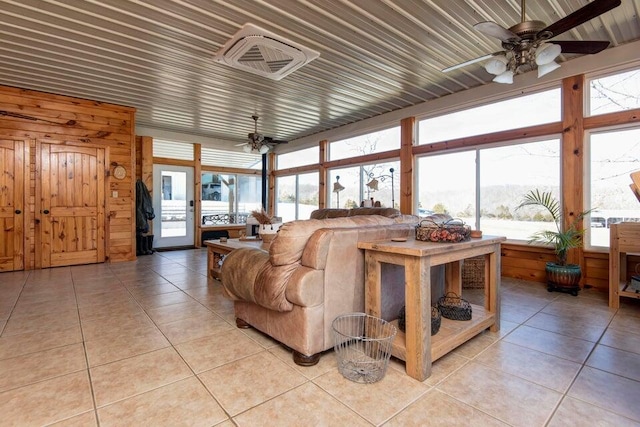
point(119, 172)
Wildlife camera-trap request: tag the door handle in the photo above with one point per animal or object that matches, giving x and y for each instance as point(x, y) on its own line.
point(191, 203)
point(46, 211)
point(18, 211)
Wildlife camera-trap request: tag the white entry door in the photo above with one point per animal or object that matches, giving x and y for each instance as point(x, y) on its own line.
point(173, 203)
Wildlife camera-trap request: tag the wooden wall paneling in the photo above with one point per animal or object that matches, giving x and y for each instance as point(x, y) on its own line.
point(596, 270)
point(407, 141)
point(64, 120)
point(138, 161)
point(147, 162)
point(572, 155)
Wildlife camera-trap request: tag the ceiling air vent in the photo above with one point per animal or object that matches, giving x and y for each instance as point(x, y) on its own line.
point(261, 52)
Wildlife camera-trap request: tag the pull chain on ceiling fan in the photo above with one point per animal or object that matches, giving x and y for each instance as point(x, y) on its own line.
point(528, 45)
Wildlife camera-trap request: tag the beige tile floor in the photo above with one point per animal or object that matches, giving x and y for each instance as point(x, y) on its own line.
point(154, 343)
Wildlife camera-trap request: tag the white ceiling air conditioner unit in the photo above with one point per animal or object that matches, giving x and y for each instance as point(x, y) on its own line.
point(261, 52)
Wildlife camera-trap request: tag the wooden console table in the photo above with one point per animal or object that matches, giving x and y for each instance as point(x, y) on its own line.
point(216, 251)
point(416, 346)
point(624, 241)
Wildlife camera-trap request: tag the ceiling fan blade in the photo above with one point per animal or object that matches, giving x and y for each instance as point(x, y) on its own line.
point(494, 30)
point(580, 16)
point(471, 61)
point(270, 140)
point(586, 47)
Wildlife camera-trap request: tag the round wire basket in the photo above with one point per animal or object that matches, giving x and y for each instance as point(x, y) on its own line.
point(363, 346)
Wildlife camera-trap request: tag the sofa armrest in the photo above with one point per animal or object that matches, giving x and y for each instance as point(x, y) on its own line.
point(239, 271)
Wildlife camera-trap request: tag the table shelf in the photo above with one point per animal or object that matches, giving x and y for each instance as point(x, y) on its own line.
point(452, 333)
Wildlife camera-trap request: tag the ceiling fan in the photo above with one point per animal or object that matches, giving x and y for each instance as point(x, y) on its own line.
point(528, 45)
point(258, 142)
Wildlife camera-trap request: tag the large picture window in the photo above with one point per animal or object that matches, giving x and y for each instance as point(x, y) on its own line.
point(229, 198)
point(498, 116)
point(484, 186)
point(375, 142)
point(613, 156)
point(297, 196)
point(617, 92)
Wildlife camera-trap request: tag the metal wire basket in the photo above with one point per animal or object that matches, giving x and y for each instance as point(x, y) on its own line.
point(363, 346)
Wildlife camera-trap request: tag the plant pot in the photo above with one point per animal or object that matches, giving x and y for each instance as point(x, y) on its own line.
point(564, 278)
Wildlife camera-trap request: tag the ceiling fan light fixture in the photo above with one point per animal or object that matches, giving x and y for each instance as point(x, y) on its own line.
point(545, 69)
point(547, 53)
point(496, 65)
point(264, 148)
point(505, 78)
point(247, 148)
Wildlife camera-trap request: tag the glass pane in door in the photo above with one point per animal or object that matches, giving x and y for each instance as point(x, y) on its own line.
point(173, 204)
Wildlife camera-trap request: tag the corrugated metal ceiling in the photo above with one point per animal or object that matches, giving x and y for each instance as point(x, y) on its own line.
point(376, 56)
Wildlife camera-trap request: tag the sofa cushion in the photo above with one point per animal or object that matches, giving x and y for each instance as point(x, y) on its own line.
point(339, 213)
point(292, 238)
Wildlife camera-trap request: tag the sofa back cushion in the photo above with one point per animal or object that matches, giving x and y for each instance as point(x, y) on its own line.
point(339, 213)
point(292, 237)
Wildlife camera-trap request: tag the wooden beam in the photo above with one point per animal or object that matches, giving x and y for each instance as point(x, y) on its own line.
point(407, 141)
point(322, 173)
point(572, 155)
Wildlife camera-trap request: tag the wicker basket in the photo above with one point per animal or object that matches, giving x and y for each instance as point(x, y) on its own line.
point(436, 320)
point(454, 307)
point(452, 231)
point(473, 273)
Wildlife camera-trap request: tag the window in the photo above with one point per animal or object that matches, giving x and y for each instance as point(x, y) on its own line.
point(345, 188)
point(613, 155)
point(614, 93)
point(297, 196)
point(229, 198)
point(506, 175)
point(384, 140)
point(308, 156)
point(510, 114)
point(448, 184)
point(355, 179)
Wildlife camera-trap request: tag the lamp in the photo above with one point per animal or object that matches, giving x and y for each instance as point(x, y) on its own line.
point(524, 57)
point(337, 188)
point(256, 145)
point(373, 184)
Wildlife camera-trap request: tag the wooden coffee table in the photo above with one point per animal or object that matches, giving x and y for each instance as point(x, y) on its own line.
point(217, 250)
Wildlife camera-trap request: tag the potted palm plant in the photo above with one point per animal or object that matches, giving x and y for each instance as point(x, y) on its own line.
point(560, 275)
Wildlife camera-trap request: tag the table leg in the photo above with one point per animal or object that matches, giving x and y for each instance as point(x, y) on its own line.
point(209, 262)
point(453, 277)
point(418, 317)
point(492, 287)
point(373, 288)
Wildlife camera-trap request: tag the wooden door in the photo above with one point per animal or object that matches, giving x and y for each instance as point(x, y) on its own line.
point(12, 205)
point(71, 205)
